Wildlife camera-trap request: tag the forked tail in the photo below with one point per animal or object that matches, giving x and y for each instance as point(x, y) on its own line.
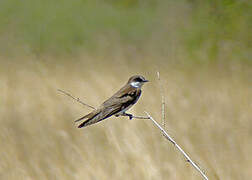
point(90, 119)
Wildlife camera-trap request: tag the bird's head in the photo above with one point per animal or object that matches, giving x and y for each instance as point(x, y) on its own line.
point(137, 81)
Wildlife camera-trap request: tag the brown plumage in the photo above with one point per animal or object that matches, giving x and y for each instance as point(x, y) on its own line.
point(120, 102)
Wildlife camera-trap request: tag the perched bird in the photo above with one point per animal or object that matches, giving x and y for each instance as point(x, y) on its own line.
point(118, 104)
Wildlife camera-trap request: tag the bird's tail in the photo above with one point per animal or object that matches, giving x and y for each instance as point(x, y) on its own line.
point(86, 116)
point(91, 119)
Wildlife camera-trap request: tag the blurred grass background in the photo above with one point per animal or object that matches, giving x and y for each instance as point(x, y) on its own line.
point(91, 48)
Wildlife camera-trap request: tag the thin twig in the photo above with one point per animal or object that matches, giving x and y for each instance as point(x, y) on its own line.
point(85, 104)
point(178, 147)
point(76, 99)
point(162, 100)
point(140, 117)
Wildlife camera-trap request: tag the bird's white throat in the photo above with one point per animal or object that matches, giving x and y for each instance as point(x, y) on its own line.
point(136, 84)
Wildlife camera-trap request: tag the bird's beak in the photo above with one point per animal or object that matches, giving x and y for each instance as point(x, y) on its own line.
point(146, 81)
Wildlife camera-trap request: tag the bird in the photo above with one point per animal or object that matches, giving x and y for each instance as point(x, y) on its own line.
point(118, 104)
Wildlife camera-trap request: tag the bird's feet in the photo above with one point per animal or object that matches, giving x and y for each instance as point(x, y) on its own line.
point(125, 114)
point(129, 115)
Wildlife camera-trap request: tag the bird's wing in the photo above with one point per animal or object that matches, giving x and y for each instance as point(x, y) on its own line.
point(124, 98)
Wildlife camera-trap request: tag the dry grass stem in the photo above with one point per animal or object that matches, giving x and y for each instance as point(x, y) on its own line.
point(162, 100)
point(178, 147)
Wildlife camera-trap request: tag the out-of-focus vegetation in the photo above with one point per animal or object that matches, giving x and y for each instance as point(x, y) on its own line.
point(91, 48)
point(202, 30)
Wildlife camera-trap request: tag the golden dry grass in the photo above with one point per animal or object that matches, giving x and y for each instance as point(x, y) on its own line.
point(208, 114)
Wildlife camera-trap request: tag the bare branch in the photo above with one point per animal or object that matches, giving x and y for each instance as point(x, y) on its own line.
point(76, 99)
point(178, 147)
point(188, 159)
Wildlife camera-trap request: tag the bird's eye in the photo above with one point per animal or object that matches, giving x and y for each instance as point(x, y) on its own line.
point(138, 80)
